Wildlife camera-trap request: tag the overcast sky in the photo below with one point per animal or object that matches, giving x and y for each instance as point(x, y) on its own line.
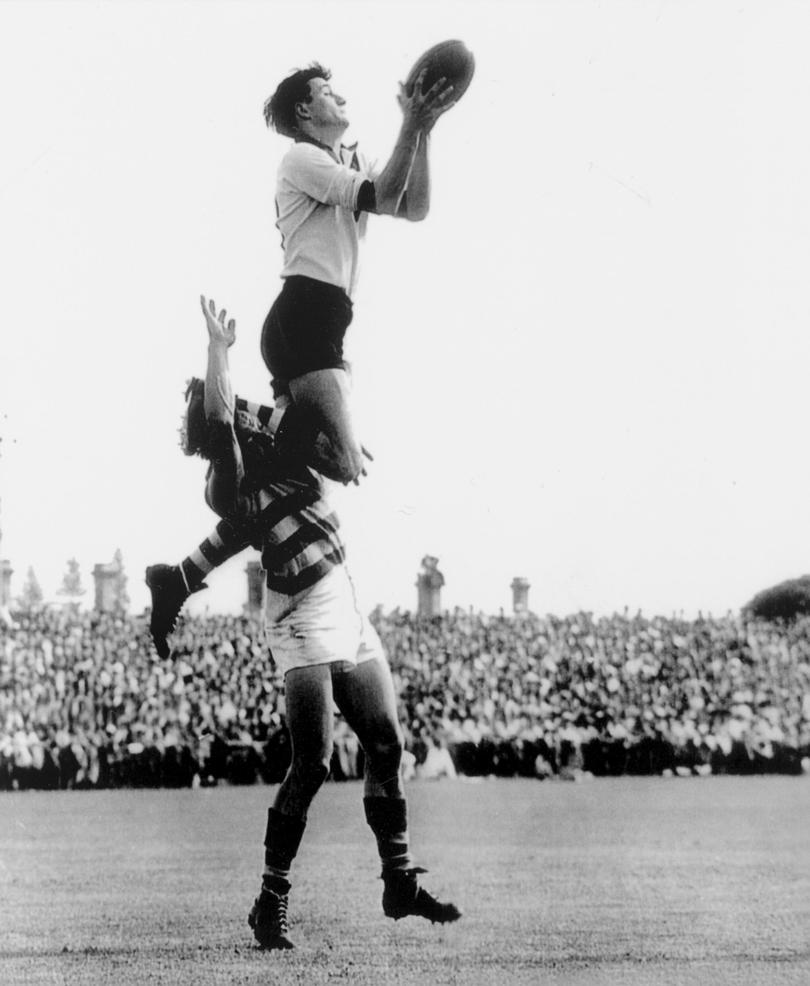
point(588, 366)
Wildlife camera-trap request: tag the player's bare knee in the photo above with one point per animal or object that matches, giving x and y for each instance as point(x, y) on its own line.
point(344, 472)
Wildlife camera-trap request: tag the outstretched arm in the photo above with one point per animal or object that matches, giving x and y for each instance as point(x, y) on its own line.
point(408, 163)
point(219, 400)
point(415, 202)
point(227, 467)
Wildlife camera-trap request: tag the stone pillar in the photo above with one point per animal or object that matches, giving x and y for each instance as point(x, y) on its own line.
point(255, 588)
point(429, 584)
point(105, 577)
point(520, 595)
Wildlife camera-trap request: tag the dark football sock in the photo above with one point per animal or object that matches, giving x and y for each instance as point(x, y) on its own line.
point(281, 842)
point(388, 819)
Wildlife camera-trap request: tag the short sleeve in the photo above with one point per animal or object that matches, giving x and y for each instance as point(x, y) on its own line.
point(313, 171)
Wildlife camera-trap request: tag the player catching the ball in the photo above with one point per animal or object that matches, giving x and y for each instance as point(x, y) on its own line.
point(324, 194)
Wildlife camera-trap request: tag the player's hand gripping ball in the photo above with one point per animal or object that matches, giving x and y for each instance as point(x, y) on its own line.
point(450, 60)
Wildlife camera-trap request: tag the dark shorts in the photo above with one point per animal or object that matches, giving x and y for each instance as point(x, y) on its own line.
point(304, 330)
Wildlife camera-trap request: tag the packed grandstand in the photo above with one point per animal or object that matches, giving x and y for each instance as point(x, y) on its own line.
point(85, 702)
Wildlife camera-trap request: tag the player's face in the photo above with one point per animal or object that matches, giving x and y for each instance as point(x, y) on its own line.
point(327, 109)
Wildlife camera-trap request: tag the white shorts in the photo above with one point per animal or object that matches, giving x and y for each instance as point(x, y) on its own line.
point(321, 625)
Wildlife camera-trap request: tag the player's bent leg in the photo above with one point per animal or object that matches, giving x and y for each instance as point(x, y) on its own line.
point(171, 585)
point(169, 589)
point(365, 695)
point(309, 720)
point(325, 394)
point(227, 540)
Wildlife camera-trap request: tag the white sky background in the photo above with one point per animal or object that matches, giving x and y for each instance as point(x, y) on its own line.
point(588, 367)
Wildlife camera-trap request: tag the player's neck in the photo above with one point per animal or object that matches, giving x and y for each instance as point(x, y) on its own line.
point(327, 136)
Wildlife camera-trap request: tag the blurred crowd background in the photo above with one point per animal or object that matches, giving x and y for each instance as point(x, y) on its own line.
point(85, 702)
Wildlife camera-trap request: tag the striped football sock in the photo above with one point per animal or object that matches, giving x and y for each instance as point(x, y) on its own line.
point(223, 543)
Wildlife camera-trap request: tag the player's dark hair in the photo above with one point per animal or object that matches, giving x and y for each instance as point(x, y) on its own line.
point(257, 447)
point(194, 432)
point(279, 109)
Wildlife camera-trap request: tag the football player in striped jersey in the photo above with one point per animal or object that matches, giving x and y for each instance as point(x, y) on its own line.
point(329, 653)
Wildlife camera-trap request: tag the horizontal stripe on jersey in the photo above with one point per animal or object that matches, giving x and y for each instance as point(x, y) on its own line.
point(300, 535)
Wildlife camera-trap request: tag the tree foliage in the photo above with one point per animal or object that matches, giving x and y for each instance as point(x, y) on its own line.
point(31, 596)
point(72, 581)
point(786, 601)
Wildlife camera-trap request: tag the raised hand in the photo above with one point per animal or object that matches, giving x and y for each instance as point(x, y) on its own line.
point(423, 109)
point(219, 331)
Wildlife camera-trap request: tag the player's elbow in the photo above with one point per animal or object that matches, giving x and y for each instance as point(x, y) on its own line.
point(417, 215)
point(221, 500)
point(413, 213)
point(222, 494)
point(414, 207)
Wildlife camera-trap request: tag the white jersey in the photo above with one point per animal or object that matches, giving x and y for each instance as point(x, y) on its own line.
point(316, 203)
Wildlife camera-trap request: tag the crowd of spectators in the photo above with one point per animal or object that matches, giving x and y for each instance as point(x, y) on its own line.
point(85, 701)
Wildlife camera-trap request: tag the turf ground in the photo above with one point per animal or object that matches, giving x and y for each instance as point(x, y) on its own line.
point(625, 881)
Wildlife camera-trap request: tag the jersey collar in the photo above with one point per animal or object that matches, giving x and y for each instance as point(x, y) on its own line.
point(306, 139)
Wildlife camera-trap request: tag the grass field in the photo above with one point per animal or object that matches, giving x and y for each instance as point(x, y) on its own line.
point(626, 881)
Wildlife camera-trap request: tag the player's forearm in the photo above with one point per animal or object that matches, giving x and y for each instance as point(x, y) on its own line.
point(219, 399)
point(391, 183)
point(417, 200)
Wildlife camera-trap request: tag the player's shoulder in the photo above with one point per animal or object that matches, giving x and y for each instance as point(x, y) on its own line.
point(305, 148)
point(297, 158)
point(304, 151)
